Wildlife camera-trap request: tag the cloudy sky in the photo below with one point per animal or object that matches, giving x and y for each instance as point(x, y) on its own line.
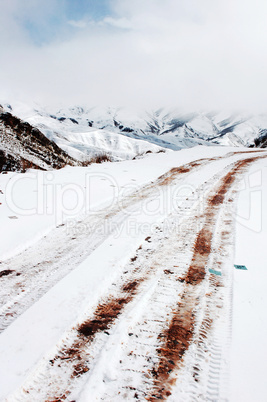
point(150, 53)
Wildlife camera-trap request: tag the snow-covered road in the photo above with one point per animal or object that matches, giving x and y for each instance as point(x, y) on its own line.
point(134, 302)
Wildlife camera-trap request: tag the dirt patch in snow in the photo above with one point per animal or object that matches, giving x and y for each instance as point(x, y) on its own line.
point(174, 341)
point(6, 272)
point(106, 313)
point(171, 175)
point(202, 247)
point(131, 286)
point(104, 316)
point(76, 355)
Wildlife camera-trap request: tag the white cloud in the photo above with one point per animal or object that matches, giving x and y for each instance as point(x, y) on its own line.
point(190, 53)
point(81, 24)
point(121, 23)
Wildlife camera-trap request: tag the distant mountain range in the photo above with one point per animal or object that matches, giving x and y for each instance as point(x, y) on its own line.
point(74, 135)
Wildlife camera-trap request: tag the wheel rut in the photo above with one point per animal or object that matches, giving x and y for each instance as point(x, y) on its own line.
point(29, 275)
point(163, 308)
point(175, 340)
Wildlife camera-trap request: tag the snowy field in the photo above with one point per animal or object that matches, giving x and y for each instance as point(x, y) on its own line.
point(249, 346)
point(100, 264)
point(40, 201)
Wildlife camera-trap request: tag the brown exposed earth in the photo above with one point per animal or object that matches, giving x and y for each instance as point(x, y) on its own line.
point(177, 337)
point(171, 175)
point(6, 272)
point(174, 341)
point(179, 332)
point(19, 138)
point(104, 316)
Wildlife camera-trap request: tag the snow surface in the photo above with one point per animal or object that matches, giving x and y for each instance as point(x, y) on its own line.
point(72, 133)
point(40, 201)
point(123, 133)
point(249, 342)
point(25, 219)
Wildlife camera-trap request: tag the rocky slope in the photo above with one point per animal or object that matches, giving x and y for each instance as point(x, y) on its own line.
point(261, 142)
point(122, 134)
point(23, 146)
point(81, 130)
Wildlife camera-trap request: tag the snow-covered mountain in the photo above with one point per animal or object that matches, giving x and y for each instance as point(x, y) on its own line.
point(22, 146)
point(86, 133)
point(124, 134)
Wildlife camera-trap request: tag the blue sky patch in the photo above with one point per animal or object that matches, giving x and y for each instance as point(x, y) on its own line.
point(46, 26)
point(95, 9)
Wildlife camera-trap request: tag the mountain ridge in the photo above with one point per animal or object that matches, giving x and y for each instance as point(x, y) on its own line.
point(81, 133)
point(23, 146)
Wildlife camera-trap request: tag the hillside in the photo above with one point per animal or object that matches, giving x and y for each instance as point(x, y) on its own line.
point(123, 133)
point(261, 142)
point(52, 139)
point(82, 138)
point(23, 146)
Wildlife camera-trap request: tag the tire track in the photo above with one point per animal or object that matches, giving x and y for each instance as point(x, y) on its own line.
point(33, 272)
point(163, 334)
point(207, 360)
point(177, 337)
point(76, 357)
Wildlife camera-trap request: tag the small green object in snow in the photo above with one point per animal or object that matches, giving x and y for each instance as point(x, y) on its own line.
point(243, 267)
point(212, 271)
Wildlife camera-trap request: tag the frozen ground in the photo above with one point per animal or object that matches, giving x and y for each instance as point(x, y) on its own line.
point(249, 346)
point(117, 282)
point(43, 200)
